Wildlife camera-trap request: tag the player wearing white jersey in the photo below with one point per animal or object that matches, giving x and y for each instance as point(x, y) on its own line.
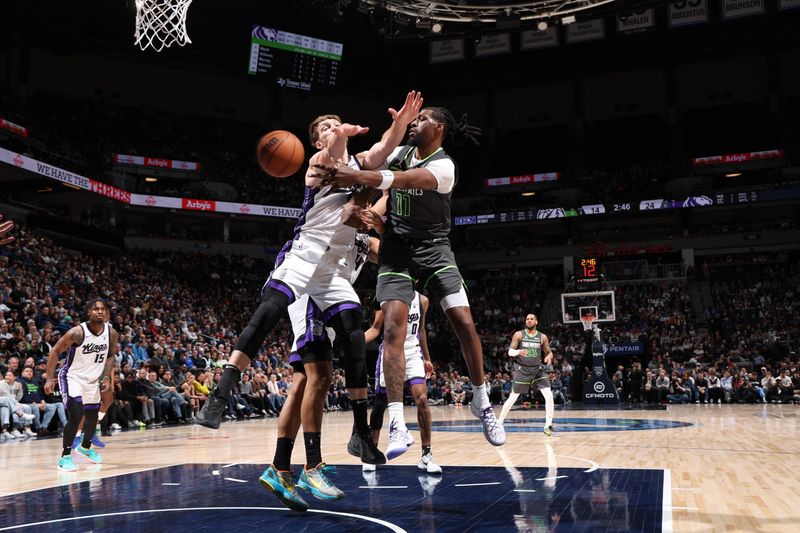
point(313, 263)
point(418, 368)
point(85, 375)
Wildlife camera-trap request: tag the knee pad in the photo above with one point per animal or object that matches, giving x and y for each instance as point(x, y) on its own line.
point(269, 311)
point(356, 360)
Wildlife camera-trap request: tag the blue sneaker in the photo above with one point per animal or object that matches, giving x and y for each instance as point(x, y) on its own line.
point(90, 454)
point(315, 481)
point(280, 483)
point(95, 441)
point(66, 464)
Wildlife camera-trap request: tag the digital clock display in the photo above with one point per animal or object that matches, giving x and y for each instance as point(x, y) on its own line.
point(587, 271)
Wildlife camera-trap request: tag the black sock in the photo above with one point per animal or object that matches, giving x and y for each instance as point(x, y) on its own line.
point(426, 449)
point(360, 423)
point(67, 451)
point(313, 453)
point(283, 454)
point(230, 377)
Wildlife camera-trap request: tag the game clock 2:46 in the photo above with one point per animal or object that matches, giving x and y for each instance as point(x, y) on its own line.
point(586, 271)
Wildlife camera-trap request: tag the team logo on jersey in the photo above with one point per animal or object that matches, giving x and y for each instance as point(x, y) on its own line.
point(94, 348)
point(413, 317)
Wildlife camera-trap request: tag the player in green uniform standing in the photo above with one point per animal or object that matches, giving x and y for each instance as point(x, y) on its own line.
point(527, 348)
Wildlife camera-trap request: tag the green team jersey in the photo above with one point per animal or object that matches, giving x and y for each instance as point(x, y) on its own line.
point(533, 344)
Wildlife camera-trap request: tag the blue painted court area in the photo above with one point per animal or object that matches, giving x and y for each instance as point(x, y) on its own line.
point(527, 425)
point(400, 498)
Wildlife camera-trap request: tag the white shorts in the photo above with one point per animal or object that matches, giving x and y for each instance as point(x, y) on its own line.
point(307, 324)
point(324, 277)
point(74, 388)
point(415, 370)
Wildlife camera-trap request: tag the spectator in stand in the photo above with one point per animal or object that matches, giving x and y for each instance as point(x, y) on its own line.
point(193, 393)
point(662, 386)
point(32, 396)
point(13, 416)
point(701, 386)
point(169, 394)
point(770, 386)
point(714, 386)
point(635, 378)
point(56, 400)
point(678, 391)
point(143, 407)
point(727, 386)
point(557, 387)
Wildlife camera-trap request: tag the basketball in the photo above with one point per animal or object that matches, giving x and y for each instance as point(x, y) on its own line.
point(280, 153)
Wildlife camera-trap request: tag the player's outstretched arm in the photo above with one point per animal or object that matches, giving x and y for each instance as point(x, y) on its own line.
point(334, 151)
point(376, 156)
point(73, 337)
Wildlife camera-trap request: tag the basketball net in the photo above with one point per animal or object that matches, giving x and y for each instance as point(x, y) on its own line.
point(589, 325)
point(159, 23)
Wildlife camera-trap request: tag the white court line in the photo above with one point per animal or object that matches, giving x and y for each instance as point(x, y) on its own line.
point(666, 502)
point(74, 480)
point(236, 480)
point(524, 490)
point(388, 525)
point(228, 466)
point(546, 478)
point(171, 484)
point(594, 466)
point(476, 484)
point(383, 487)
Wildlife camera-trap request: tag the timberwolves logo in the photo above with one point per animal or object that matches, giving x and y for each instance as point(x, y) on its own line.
point(534, 425)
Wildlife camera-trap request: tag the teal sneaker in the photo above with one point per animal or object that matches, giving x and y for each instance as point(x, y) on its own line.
point(316, 481)
point(280, 483)
point(90, 454)
point(548, 430)
point(66, 464)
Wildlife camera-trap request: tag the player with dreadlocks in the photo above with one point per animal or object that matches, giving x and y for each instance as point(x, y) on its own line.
point(416, 254)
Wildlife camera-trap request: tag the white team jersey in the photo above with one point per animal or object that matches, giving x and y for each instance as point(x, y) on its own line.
point(411, 345)
point(86, 362)
point(320, 224)
point(357, 256)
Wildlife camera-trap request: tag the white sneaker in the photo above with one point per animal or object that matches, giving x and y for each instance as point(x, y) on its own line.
point(115, 426)
point(366, 467)
point(6, 435)
point(427, 463)
point(26, 416)
point(30, 433)
point(492, 429)
point(16, 434)
point(398, 442)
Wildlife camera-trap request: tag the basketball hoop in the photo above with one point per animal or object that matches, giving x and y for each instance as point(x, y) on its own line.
point(159, 23)
point(587, 322)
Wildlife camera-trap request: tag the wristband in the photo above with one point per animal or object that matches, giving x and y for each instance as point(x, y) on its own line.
point(387, 179)
point(512, 352)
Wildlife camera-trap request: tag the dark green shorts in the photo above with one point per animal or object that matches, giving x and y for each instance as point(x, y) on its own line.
point(411, 264)
point(526, 378)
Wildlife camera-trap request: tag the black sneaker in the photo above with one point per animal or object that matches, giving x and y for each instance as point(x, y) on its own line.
point(210, 415)
point(362, 446)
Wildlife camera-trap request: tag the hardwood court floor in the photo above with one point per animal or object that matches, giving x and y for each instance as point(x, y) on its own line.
point(727, 468)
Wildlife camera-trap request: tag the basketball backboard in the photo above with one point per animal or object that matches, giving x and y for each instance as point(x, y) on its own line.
point(599, 304)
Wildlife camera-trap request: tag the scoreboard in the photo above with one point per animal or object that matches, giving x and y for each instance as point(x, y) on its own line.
point(294, 61)
point(587, 272)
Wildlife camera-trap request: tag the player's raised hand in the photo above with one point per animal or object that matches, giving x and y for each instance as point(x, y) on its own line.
point(351, 130)
point(410, 110)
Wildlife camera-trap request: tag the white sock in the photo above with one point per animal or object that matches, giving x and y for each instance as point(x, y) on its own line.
point(396, 415)
point(549, 406)
point(479, 397)
point(512, 399)
point(100, 416)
